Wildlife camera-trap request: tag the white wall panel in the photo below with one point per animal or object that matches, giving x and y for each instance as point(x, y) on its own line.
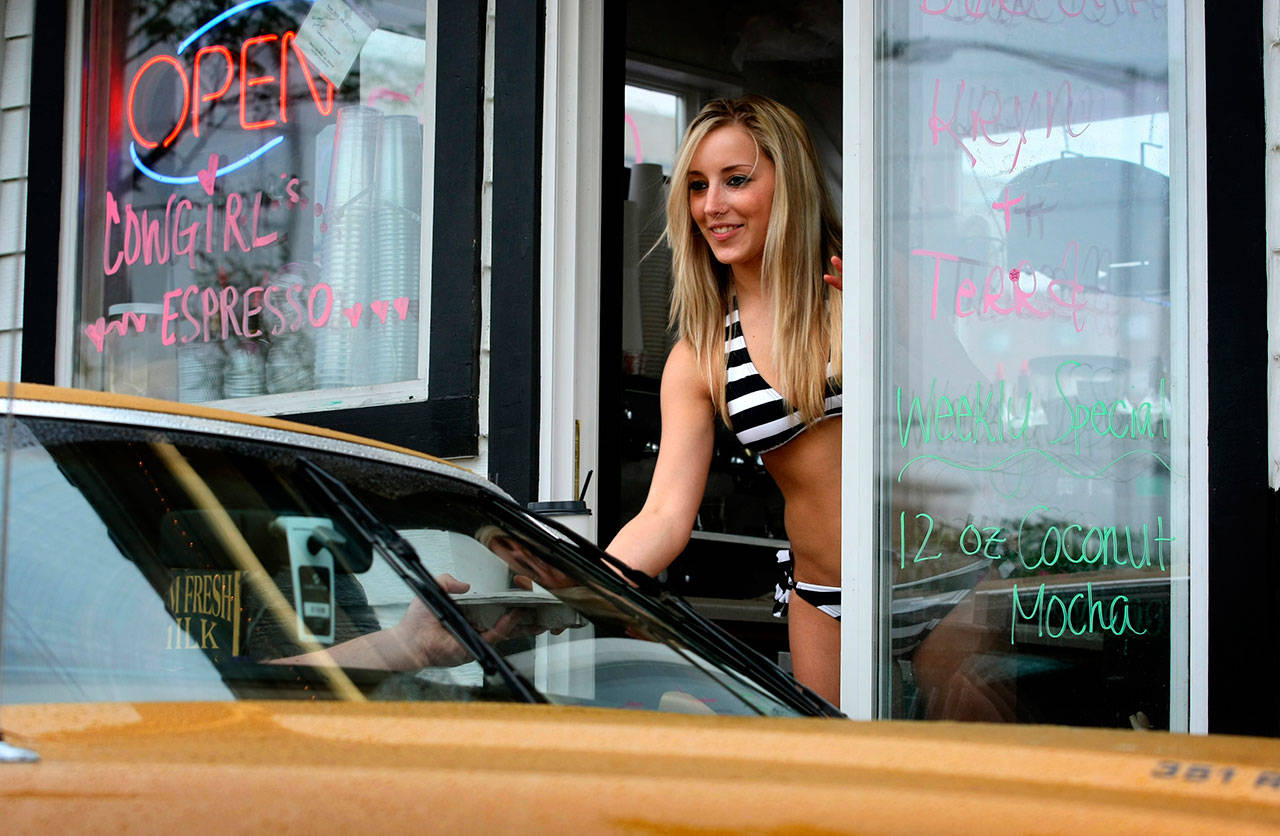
point(15, 77)
point(10, 353)
point(1271, 91)
point(19, 17)
point(13, 215)
point(13, 143)
point(11, 292)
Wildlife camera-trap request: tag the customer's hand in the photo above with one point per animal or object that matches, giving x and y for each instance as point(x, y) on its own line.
point(422, 641)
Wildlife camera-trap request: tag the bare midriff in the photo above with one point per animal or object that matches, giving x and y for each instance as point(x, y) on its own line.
point(807, 471)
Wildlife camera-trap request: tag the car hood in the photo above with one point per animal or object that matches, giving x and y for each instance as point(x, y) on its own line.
point(490, 767)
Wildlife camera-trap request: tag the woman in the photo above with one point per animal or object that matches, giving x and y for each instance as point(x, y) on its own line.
point(751, 227)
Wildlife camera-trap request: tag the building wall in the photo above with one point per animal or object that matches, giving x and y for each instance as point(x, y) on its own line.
point(15, 106)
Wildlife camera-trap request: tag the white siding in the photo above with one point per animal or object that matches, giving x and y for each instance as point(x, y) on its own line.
point(18, 17)
point(1271, 81)
point(15, 77)
point(13, 148)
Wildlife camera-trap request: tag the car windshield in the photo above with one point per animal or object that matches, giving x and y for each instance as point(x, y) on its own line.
point(157, 565)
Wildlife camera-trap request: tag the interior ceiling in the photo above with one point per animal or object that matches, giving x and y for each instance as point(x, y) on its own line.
point(751, 36)
point(790, 51)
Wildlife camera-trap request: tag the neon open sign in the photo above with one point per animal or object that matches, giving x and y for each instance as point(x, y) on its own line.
point(238, 79)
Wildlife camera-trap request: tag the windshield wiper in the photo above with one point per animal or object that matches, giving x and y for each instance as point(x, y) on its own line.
point(403, 559)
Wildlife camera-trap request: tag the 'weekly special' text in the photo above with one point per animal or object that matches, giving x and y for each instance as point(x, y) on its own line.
point(993, 416)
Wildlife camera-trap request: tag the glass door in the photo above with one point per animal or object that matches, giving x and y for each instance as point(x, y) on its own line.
point(1031, 289)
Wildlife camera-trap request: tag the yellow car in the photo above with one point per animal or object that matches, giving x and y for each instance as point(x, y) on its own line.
point(213, 622)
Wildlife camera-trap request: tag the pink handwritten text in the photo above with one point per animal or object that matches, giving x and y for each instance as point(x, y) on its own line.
point(1017, 291)
point(1007, 206)
point(1103, 12)
point(217, 313)
point(144, 238)
point(97, 331)
point(988, 109)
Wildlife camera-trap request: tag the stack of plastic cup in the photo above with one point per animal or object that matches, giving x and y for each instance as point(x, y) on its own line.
point(245, 372)
point(200, 369)
point(289, 364)
point(632, 321)
point(396, 249)
point(649, 192)
point(291, 358)
point(341, 349)
point(137, 362)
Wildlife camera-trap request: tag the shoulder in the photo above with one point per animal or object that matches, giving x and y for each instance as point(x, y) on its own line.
point(684, 376)
point(682, 364)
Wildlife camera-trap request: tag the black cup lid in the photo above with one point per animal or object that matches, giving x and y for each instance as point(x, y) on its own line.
point(560, 506)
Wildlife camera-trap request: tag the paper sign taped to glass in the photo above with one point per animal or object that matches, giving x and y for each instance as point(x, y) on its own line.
point(333, 35)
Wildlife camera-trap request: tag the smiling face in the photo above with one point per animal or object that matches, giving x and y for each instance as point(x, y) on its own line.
point(731, 196)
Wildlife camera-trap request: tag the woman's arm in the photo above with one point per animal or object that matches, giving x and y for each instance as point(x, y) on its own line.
point(658, 534)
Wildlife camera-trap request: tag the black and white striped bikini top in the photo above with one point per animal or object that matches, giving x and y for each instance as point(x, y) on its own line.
point(760, 419)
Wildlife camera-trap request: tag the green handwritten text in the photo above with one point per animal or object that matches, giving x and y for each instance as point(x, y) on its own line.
point(1055, 615)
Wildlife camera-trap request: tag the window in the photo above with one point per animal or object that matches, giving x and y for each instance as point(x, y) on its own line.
point(252, 211)
point(655, 120)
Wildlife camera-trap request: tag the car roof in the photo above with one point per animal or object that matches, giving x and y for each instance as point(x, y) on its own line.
point(491, 767)
point(114, 408)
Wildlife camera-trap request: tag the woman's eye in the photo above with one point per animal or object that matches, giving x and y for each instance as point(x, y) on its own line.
point(738, 181)
point(697, 186)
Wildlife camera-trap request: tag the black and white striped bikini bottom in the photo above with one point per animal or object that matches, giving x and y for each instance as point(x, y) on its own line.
point(825, 599)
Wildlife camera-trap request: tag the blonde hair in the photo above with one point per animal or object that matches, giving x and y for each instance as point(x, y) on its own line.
point(803, 234)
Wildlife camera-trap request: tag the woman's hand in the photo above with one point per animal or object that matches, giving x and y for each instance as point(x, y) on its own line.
point(835, 279)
